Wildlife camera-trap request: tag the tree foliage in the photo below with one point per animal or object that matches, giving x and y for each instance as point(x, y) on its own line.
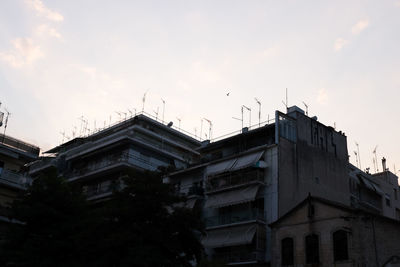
point(141, 225)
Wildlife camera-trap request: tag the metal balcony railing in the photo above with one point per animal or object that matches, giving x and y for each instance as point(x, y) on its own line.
point(235, 217)
point(43, 163)
point(14, 179)
point(234, 179)
point(109, 161)
point(240, 256)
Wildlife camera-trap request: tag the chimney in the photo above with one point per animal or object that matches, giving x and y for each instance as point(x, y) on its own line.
point(384, 164)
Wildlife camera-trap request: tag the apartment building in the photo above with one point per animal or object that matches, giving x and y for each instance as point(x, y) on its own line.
point(14, 154)
point(252, 178)
point(98, 161)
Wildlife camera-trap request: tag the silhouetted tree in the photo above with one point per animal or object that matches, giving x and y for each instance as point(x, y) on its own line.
point(142, 226)
point(51, 214)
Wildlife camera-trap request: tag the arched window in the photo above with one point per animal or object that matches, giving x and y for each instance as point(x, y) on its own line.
point(287, 251)
point(340, 249)
point(312, 249)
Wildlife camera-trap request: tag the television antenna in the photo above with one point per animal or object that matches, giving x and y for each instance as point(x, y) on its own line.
point(6, 123)
point(306, 108)
point(355, 153)
point(120, 114)
point(239, 119)
point(259, 111)
point(201, 127)
point(130, 113)
point(156, 112)
point(358, 151)
point(179, 123)
point(286, 103)
point(163, 109)
point(375, 159)
point(144, 99)
point(210, 128)
point(249, 109)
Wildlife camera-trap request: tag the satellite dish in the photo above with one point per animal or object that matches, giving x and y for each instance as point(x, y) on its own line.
point(170, 124)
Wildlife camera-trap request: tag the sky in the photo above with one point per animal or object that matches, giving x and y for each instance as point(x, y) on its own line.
point(61, 61)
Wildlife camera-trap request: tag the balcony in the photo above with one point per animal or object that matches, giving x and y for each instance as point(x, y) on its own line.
point(14, 179)
point(240, 257)
point(42, 164)
point(234, 179)
point(111, 162)
point(20, 145)
point(236, 217)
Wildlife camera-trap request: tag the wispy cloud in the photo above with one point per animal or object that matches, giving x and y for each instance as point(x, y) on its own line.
point(322, 97)
point(360, 26)
point(340, 43)
point(45, 29)
point(44, 11)
point(24, 52)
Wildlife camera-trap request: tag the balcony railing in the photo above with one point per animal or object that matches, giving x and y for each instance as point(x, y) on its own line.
point(14, 179)
point(240, 256)
point(43, 163)
point(234, 179)
point(235, 217)
point(112, 160)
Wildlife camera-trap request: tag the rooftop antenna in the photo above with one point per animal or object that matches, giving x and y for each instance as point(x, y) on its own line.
point(156, 112)
point(94, 126)
point(120, 114)
point(249, 109)
point(259, 111)
point(239, 119)
point(163, 109)
point(201, 127)
point(358, 151)
point(355, 153)
point(210, 128)
point(130, 113)
point(375, 159)
point(306, 107)
point(195, 132)
point(286, 103)
point(109, 122)
point(144, 99)
point(334, 125)
point(179, 124)
point(124, 115)
point(63, 135)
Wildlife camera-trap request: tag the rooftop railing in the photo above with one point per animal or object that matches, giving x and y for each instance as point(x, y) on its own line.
point(18, 144)
point(42, 163)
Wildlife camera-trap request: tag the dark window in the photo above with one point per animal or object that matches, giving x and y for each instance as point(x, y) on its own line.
point(312, 249)
point(287, 251)
point(340, 251)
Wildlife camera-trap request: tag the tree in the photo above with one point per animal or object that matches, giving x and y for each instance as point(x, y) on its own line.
point(51, 214)
point(142, 226)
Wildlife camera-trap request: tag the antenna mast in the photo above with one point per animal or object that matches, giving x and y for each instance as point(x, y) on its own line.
point(179, 124)
point(358, 151)
point(209, 129)
point(6, 123)
point(249, 109)
point(375, 160)
point(259, 111)
point(163, 109)
point(144, 100)
point(306, 108)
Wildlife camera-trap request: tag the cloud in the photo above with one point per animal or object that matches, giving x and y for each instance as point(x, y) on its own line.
point(322, 97)
point(360, 26)
point(44, 11)
point(340, 43)
point(24, 52)
point(45, 29)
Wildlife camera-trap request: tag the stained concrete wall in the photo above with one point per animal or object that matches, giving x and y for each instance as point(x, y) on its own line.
point(315, 163)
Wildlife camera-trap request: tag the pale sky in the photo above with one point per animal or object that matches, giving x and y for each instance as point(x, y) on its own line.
point(60, 60)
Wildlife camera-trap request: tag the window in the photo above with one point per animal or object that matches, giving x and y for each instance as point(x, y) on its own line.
point(312, 249)
point(287, 251)
point(340, 249)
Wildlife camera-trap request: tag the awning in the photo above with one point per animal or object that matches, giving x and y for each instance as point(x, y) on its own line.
point(247, 161)
point(252, 159)
point(189, 204)
point(241, 235)
point(370, 185)
point(220, 167)
point(233, 197)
